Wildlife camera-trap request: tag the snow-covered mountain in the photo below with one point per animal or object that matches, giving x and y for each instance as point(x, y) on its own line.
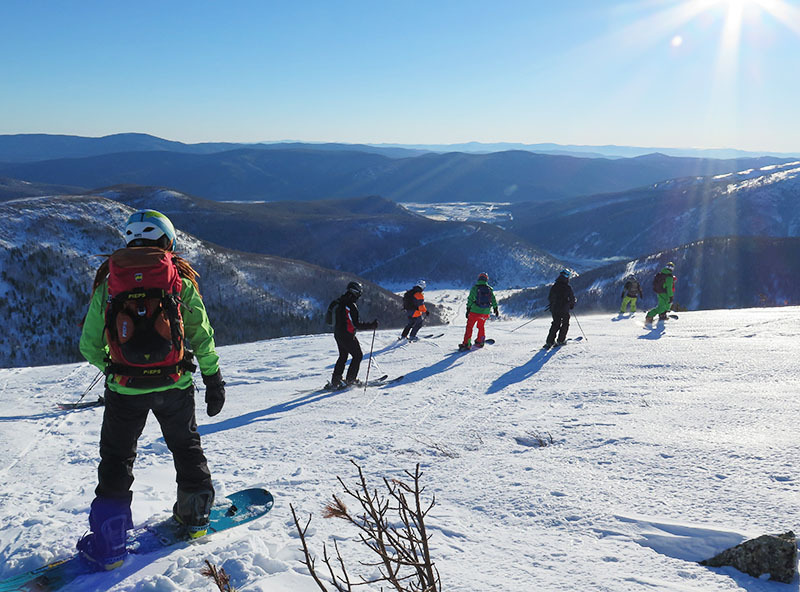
point(728, 272)
point(50, 249)
point(752, 202)
point(612, 464)
point(372, 237)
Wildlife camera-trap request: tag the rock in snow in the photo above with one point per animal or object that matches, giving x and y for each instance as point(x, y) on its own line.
point(775, 555)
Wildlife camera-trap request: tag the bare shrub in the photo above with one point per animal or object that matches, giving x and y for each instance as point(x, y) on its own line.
point(401, 548)
point(221, 579)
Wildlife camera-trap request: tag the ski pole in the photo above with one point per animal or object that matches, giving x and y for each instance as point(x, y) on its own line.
point(536, 316)
point(579, 326)
point(371, 347)
point(91, 386)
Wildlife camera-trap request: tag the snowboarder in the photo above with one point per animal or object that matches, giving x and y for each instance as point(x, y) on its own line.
point(562, 300)
point(145, 303)
point(663, 286)
point(630, 292)
point(414, 305)
point(345, 325)
point(480, 303)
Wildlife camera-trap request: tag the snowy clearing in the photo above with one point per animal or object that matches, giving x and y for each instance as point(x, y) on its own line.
point(663, 447)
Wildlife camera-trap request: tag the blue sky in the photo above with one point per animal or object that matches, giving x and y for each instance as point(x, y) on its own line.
point(671, 73)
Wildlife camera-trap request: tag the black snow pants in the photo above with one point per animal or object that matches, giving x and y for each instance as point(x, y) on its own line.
point(414, 325)
point(348, 346)
point(124, 419)
point(560, 325)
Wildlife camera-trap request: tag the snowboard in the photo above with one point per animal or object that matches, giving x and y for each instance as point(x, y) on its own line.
point(236, 509)
point(650, 325)
point(473, 347)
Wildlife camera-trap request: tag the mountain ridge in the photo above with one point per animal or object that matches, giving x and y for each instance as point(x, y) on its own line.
point(252, 174)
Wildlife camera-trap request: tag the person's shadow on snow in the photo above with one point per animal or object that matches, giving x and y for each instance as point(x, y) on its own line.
point(269, 414)
point(654, 332)
point(523, 372)
point(421, 373)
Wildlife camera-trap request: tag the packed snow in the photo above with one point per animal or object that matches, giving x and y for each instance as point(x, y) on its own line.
point(614, 463)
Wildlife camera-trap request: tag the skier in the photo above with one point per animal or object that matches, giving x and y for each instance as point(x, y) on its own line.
point(480, 303)
point(663, 286)
point(562, 300)
point(414, 305)
point(346, 323)
point(630, 292)
point(130, 332)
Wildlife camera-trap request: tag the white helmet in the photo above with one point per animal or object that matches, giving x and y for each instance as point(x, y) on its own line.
point(149, 227)
point(420, 284)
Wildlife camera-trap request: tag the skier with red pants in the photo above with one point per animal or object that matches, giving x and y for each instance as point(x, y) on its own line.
point(562, 300)
point(480, 302)
point(345, 325)
point(145, 301)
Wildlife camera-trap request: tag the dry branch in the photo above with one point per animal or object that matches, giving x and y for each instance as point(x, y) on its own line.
point(401, 548)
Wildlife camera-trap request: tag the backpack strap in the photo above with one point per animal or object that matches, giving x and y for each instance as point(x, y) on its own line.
point(152, 375)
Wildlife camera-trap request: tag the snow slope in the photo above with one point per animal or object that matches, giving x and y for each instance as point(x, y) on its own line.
point(667, 446)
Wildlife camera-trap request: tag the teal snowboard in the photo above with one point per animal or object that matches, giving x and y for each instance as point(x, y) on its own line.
point(237, 508)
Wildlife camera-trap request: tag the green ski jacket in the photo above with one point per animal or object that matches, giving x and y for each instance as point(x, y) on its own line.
point(473, 295)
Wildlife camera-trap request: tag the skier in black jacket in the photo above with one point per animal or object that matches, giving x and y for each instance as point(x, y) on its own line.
point(346, 323)
point(562, 300)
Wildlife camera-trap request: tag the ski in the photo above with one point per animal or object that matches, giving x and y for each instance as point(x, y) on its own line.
point(402, 339)
point(99, 402)
point(579, 338)
point(555, 345)
point(373, 382)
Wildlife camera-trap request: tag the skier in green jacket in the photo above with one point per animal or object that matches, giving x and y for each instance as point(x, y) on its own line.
point(133, 389)
point(663, 286)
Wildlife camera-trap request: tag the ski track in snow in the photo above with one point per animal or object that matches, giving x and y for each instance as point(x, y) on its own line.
point(662, 448)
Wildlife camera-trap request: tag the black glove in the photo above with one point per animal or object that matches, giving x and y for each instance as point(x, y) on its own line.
point(496, 312)
point(467, 315)
point(215, 393)
point(374, 324)
point(427, 313)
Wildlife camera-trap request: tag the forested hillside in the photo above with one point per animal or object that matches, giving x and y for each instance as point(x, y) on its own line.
point(51, 247)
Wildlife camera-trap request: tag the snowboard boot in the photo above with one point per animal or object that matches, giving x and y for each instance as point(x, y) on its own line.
point(648, 320)
point(547, 346)
point(464, 346)
point(479, 344)
point(192, 510)
point(109, 522)
point(662, 316)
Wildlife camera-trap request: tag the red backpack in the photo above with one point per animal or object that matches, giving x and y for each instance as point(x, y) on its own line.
point(144, 326)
